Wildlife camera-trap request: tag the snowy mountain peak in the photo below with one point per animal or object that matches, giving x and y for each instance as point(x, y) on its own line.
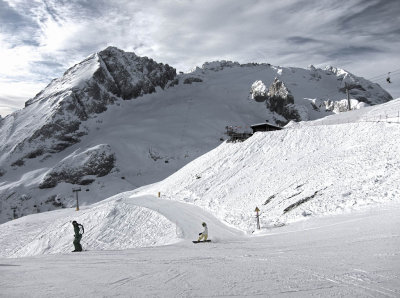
point(111, 50)
point(53, 143)
point(84, 90)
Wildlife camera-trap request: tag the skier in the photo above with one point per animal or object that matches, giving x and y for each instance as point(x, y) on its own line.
point(204, 234)
point(77, 236)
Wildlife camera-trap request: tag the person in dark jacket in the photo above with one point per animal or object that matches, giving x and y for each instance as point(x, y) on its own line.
point(77, 236)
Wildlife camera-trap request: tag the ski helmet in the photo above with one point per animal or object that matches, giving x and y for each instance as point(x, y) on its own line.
point(203, 224)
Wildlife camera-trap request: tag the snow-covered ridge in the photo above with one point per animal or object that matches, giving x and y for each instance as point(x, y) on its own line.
point(52, 119)
point(294, 174)
point(153, 135)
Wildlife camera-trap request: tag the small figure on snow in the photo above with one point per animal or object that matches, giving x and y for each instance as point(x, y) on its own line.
point(204, 234)
point(77, 236)
point(388, 78)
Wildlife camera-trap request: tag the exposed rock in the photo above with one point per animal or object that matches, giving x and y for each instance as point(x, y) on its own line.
point(56, 201)
point(191, 80)
point(358, 87)
point(281, 101)
point(258, 91)
point(86, 89)
point(342, 105)
point(219, 65)
point(18, 163)
point(97, 161)
point(35, 153)
point(133, 75)
point(172, 83)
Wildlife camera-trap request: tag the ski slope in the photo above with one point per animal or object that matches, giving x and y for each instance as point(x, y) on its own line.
point(352, 255)
point(292, 175)
point(121, 222)
point(330, 215)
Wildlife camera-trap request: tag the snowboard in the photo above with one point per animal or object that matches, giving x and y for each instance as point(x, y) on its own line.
point(201, 241)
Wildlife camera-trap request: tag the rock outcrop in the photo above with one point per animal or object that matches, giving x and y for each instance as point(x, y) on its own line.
point(258, 91)
point(281, 101)
point(75, 169)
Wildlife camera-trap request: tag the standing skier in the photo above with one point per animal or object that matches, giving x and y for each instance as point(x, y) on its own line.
point(77, 236)
point(204, 234)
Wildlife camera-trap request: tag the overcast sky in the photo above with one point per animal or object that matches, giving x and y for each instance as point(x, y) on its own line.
point(40, 39)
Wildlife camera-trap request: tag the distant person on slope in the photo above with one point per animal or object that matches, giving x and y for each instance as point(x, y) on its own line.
point(204, 234)
point(77, 236)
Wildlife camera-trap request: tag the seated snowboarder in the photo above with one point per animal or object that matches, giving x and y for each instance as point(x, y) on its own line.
point(204, 234)
point(77, 236)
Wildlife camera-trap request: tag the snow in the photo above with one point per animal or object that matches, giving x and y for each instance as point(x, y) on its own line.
point(76, 77)
point(123, 221)
point(341, 239)
point(335, 168)
point(258, 88)
point(327, 189)
point(346, 256)
point(153, 135)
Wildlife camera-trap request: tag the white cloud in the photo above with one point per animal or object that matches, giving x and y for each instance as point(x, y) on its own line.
point(41, 39)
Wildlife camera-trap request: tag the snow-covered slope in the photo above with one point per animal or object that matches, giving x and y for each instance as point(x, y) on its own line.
point(353, 255)
point(298, 173)
point(126, 220)
point(294, 173)
point(54, 141)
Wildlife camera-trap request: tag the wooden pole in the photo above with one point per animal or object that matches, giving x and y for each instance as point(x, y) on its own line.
point(258, 218)
point(75, 190)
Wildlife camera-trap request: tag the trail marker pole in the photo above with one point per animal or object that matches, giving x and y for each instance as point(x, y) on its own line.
point(257, 217)
point(75, 190)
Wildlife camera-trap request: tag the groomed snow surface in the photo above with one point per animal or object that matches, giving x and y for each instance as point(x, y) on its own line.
point(330, 216)
point(354, 255)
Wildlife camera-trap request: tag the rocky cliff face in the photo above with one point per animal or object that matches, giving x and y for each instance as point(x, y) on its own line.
point(78, 166)
point(84, 90)
point(281, 101)
point(117, 121)
point(293, 95)
point(258, 91)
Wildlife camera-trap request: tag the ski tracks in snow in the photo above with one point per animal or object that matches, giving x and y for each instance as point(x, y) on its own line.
point(187, 217)
point(368, 283)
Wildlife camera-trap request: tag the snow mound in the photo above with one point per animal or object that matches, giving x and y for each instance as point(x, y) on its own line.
point(109, 225)
point(292, 174)
point(125, 221)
